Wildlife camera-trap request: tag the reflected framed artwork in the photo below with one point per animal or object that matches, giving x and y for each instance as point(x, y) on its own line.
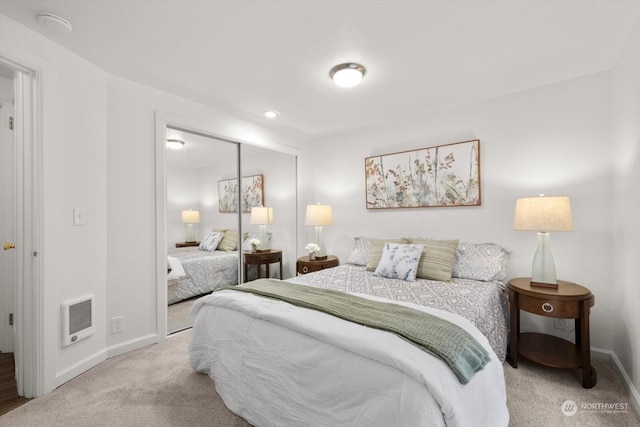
point(252, 193)
point(443, 175)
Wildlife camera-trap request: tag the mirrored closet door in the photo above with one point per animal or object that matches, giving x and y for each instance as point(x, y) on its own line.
point(199, 257)
point(212, 189)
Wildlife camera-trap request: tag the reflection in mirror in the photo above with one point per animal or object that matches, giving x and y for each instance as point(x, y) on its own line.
point(202, 251)
point(277, 171)
point(203, 232)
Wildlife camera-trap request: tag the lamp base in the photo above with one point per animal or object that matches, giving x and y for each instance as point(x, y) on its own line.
point(544, 285)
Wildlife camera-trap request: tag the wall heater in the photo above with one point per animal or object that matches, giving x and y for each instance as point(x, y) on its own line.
point(77, 319)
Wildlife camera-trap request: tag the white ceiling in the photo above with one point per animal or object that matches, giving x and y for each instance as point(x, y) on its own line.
point(249, 56)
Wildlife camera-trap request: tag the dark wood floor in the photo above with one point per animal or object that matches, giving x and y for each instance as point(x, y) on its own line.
point(9, 398)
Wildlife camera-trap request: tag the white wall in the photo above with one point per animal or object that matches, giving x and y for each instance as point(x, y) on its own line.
point(74, 144)
point(623, 281)
point(553, 140)
point(132, 283)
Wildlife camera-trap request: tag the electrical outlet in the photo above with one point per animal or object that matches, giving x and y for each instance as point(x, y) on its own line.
point(117, 324)
point(562, 324)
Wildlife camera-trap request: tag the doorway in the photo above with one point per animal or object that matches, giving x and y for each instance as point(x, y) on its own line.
point(7, 212)
point(20, 168)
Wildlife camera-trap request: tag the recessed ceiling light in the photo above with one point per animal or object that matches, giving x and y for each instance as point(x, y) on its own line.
point(175, 144)
point(271, 114)
point(54, 21)
point(348, 74)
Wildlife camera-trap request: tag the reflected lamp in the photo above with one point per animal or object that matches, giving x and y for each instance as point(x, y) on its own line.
point(262, 216)
point(190, 217)
point(543, 214)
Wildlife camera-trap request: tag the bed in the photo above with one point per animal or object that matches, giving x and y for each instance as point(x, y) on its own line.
point(213, 264)
point(278, 364)
point(197, 272)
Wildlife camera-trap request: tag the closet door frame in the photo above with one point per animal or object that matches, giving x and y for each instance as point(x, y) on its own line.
point(164, 121)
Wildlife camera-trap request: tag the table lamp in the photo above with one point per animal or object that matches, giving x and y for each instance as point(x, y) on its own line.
point(319, 216)
point(543, 214)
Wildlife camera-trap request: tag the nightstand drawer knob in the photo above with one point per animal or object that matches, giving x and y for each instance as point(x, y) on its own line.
point(547, 308)
point(305, 269)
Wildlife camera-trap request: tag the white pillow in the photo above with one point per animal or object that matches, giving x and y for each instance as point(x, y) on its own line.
point(211, 241)
point(176, 268)
point(399, 261)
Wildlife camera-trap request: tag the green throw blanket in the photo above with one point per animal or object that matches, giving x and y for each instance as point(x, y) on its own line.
point(455, 346)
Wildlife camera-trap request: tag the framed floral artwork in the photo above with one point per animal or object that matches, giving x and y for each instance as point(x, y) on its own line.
point(443, 175)
point(252, 193)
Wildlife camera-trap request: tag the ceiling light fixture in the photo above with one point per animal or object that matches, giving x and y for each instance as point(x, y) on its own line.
point(348, 74)
point(271, 114)
point(54, 21)
point(175, 144)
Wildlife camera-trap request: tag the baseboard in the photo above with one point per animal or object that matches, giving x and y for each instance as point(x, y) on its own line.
point(134, 344)
point(79, 367)
point(599, 353)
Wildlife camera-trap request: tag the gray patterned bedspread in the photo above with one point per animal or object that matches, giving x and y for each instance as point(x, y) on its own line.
point(483, 303)
point(205, 271)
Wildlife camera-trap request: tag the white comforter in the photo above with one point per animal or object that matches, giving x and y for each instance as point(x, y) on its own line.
point(276, 364)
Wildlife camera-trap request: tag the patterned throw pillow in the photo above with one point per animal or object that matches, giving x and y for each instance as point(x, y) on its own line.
point(486, 262)
point(375, 251)
point(211, 241)
point(437, 260)
point(360, 252)
point(399, 261)
point(229, 241)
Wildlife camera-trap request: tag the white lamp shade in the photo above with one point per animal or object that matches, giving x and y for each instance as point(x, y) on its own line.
point(319, 215)
point(543, 213)
point(191, 217)
point(261, 216)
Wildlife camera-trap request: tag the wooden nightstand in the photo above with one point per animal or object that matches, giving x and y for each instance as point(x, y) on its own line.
point(262, 258)
point(186, 244)
point(305, 265)
point(569, 301)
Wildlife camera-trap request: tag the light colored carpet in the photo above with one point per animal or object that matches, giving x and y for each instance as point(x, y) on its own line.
point(535, 397)
point(178, 318)
point(155, 386)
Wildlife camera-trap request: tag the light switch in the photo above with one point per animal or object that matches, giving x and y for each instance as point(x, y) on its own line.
point(79, 216)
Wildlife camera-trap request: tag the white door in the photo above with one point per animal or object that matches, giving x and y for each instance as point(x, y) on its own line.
point(20, 225)
point(7, 211)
